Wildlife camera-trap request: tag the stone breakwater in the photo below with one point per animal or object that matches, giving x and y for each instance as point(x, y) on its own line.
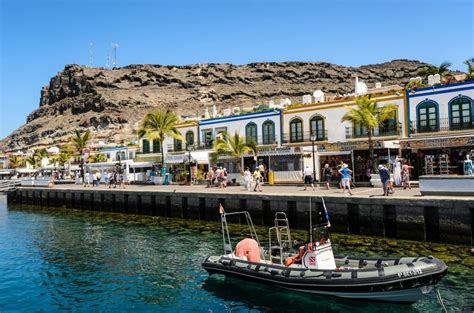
point(434, 220)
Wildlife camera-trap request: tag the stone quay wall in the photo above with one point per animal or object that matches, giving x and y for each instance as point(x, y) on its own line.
point(447, 220)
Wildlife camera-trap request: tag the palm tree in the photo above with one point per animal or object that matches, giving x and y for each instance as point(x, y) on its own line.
point(79, 142)
point(158, 125)
point(15, 161)
point(234, 145)
point(369, 115)
point(470, 69)
point(96, 158)
point(442, 70)
point(34, 161)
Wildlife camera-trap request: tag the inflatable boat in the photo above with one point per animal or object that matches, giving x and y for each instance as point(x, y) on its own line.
point(312, 268)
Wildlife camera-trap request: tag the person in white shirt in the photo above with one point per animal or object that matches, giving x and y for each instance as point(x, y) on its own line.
point(247, 178)
point(308, 177)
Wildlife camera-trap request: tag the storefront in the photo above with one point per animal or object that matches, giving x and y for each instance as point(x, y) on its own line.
point(356, 154)
point(285, 162)
point(438, 156)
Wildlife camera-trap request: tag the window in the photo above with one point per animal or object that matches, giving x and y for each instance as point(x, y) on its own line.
point(296, 130)
point(389, 127)
point(317, 127)
point(156, 146)
point(178, 145)
point(427, 117)
point(189, 138)
point(146, 146)
point(251, 132)
point(268, 133)
point(461, 113)
point(207, 136)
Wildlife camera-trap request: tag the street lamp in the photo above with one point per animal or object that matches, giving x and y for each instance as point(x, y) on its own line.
point(313, 139)
point(189, 148)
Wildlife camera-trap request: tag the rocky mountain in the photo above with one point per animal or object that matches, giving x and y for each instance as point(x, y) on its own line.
point(111, 102)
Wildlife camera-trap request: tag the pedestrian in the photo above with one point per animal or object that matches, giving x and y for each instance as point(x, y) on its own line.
point(345, 178)
point(210, 178)
point(261, 169)
point(385, 178)
point(98, 177)
point(406, 175)
point(247, 179)
point(308, 177)
point(87, 179)
point(224, 181)
point(339, 168)
point(327, 175)
point(122, 181)
point(94, 180)
point(257, 177)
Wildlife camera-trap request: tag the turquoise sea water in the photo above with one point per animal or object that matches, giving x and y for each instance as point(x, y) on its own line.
point(59, 259)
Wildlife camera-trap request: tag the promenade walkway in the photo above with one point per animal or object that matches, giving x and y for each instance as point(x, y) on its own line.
point(359, 192)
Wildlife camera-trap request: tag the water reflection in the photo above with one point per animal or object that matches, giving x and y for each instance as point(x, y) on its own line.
point(76, 260)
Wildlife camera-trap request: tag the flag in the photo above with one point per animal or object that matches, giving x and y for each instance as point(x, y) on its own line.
point(221, 209)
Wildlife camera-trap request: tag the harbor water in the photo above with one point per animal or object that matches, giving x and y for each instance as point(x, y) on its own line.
point(63, 259)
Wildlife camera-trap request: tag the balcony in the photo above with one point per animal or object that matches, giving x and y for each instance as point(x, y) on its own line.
point(390, 130)
point(183, 147)
point(445, 124)
point(305, 137)
point(267, 140)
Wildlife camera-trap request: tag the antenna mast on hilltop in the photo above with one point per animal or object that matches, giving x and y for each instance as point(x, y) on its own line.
point(115, 46)
point(91, 54)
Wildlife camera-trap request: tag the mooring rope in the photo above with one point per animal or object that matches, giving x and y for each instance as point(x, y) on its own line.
point(440, 300)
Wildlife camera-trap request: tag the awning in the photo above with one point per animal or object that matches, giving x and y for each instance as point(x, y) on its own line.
point(25, 170)
point(200, 156)
point(334, 153)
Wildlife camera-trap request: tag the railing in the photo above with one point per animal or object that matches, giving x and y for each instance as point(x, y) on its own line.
point(391, 130)
point(263, 140)
point(183, 147)
point(443, 124)
point(6, 185)
point(304, 137)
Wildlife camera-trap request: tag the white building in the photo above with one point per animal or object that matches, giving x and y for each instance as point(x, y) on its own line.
point(337, 141)
point(441, 125)
point(261, 127)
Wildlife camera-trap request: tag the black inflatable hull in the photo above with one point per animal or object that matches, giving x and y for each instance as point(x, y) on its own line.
point(378, 279)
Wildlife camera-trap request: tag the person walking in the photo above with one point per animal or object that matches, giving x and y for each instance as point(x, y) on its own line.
point(257, 176)
point(339, 168)
point(406, 175)
point(327, 175)
point(385, 178)
point(210, 178)
point(247, 178)
point(345, 178)
point(308, 177)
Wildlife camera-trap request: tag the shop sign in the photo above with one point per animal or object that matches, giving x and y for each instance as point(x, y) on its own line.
point(278, 151)
point(439, 143)
point(344, 146)
point(176, 158)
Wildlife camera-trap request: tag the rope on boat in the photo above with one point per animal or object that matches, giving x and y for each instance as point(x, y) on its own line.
point(440, 300)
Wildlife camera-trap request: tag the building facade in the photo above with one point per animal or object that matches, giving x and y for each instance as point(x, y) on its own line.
point(335, 141)
point(441, 128)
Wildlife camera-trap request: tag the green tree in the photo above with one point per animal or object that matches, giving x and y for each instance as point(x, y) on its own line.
point(96, 158)
point(159, 125)
point(470, 69)
point(442, 70)
point(79, 143)
point(235, 146)
point(369, 115)
point(34, 161)
point(15, 161)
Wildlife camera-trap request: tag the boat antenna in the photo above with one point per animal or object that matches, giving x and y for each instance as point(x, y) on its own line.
point(326, 212)
point(310, 222)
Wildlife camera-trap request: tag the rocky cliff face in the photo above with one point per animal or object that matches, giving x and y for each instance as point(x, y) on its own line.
point(112, 102)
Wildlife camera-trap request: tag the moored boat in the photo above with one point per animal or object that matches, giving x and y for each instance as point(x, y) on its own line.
point(312, 268)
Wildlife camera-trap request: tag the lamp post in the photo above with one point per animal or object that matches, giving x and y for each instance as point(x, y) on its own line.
point(189, 148)
point(313, 139)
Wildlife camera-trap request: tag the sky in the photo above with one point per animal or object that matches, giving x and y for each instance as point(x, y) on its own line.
point(39, 37)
